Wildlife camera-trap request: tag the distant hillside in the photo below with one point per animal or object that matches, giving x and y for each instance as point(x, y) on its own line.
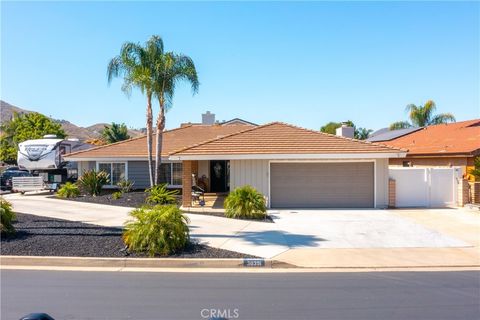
point(73, 131)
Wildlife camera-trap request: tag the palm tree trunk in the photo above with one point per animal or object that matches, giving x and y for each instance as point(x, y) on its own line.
point(159, 135)
point(150, 137)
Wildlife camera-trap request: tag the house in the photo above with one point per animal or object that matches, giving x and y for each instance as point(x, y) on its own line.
point(290, 166)
point(442, 145)
point(209, 119)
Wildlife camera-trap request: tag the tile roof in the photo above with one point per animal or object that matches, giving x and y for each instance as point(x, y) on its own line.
point(442, 139)
point(282, 138)
point(172, 140)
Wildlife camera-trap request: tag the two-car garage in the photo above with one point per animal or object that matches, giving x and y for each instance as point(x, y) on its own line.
point(322, 184)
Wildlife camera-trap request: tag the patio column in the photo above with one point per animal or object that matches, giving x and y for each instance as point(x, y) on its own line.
point(187, 183)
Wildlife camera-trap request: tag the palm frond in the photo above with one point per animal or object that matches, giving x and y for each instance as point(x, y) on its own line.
point(400, 125)
point(443, 118)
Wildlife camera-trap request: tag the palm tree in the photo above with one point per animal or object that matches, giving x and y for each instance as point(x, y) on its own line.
point(136, 64)
point(362, 133)
point(115, 132)
point(170, 69)
point(422, 116)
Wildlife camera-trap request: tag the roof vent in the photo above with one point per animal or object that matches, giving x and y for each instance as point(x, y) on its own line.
point(50, 136)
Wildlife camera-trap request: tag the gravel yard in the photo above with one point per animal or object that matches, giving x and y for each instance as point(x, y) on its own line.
point(132, 199)
point(136, 199)
point(41, 236)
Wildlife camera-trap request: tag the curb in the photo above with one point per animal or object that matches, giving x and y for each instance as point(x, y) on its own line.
point(92, 262)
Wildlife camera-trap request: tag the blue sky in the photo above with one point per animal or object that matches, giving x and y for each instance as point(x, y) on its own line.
point(303, 63)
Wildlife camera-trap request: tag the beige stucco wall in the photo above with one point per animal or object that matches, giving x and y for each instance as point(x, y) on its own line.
point(256, 174)
point(381, 183)
point(204, 168)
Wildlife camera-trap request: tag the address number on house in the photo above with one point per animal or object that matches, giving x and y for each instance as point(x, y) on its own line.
point(254, 262)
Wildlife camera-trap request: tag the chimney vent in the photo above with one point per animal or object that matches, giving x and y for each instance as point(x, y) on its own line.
point(345, 131)
point(208, 118)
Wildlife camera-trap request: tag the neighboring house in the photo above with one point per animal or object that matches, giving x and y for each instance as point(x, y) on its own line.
point(291, 166)
point(209, 119)
point(442, 145)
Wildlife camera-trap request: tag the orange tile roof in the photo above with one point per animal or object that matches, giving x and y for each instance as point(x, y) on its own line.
point(281, 138)
point(172, 140)
point(442, 139)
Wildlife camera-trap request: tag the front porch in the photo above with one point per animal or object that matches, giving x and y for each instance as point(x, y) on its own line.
point(211, 176)
point(212, 203)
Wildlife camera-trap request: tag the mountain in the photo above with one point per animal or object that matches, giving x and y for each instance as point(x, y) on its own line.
point(73, 131)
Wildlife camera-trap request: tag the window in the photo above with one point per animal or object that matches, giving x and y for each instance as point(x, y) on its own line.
point(166, 173)
point(116, 170)
point(171, 173)
point(177, 170)
point(407, 163)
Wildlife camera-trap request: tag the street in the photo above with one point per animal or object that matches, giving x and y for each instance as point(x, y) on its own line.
point(128, 295)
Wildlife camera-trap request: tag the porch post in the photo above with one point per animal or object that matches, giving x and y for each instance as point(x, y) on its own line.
point(187, 183)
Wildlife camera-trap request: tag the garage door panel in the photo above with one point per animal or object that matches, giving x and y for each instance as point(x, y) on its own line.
point(316, 185)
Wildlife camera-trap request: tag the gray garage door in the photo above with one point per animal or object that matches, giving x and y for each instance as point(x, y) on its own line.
point(322, 185)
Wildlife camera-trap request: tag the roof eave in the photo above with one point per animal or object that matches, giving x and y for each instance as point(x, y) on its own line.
point(290, 156)
point(444, 154)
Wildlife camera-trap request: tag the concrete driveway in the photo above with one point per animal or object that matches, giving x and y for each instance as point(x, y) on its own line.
point(293, 229)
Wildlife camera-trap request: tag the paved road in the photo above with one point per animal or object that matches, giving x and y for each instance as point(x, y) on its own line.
point(113, 295)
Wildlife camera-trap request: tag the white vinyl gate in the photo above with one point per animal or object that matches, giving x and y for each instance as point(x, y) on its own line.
point(425, 187)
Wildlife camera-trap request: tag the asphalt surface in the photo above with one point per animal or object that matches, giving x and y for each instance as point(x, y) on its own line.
point(113, 295)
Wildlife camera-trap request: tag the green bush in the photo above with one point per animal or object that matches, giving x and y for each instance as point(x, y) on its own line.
point(125, 186)
point(68, 190)
point(117, 195)
point(159, 194)
point(92, 181)
point(158, 230)
point(245, 203)
point(6, 216)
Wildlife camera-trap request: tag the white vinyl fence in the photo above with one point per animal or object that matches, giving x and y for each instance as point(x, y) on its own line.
point(425, 187)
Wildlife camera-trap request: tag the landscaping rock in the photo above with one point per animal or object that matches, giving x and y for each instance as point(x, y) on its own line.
point(42, 236)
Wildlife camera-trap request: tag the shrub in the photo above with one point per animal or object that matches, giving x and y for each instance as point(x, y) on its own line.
point(117, 195)
point(245, 203)
point(92, 181)
point(125, 186)
point(6, 216)
point(68, 190)
point(159, 194)
point(158, 230)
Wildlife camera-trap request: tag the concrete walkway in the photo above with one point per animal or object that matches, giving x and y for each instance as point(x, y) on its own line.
point(312, 238)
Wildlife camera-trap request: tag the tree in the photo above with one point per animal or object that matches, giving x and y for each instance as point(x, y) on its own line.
point(95, 141)
point(115, 132)
point(475, 172)
point(25, 127)
point(422, 116)
point(360, 133)
point(136, 65)
point(330, 127)
point(170, 70)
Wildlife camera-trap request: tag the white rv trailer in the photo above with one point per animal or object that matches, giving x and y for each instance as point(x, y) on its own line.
point(44, 158)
